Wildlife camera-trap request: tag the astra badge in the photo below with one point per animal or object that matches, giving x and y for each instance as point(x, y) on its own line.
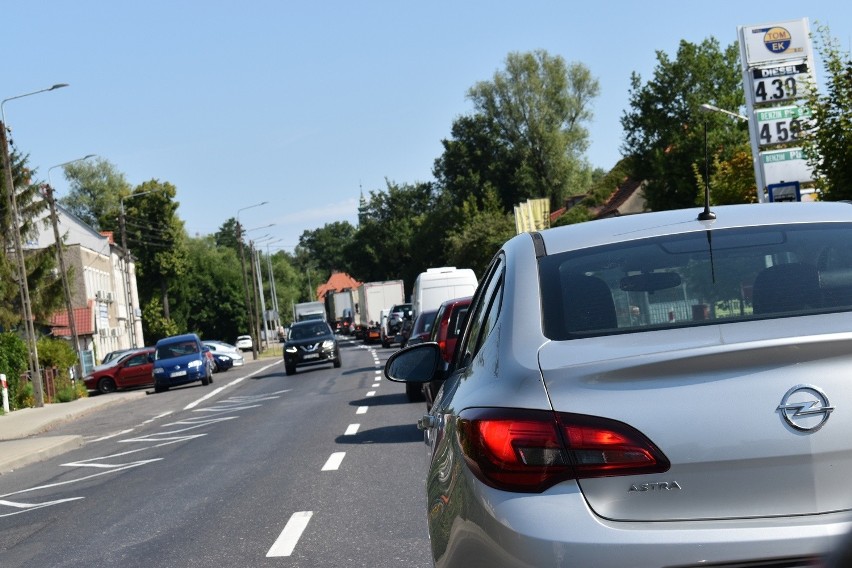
point(805, 408)
point(658, 486)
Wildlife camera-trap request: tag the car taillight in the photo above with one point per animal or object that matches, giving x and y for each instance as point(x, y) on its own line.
point(531, 450)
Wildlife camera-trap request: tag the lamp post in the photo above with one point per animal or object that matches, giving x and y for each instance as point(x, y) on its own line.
point(245, 278)
point(63, 272)
point(259, 274)
point(128, 292)
point(707, 108)
point(26, 306)
point(273, 292)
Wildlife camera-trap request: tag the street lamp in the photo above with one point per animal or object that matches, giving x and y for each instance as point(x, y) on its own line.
point(245, 278)
point(710, 108)
point(72, 323)
point(707, 108)
point(26, 306)
point(273, 292)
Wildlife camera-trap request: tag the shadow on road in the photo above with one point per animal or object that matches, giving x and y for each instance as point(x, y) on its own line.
point(400, 434)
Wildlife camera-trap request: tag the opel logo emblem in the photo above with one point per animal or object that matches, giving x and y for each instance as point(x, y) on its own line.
point(805, 408)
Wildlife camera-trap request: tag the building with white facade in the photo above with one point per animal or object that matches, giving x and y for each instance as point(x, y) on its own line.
point(103, 289)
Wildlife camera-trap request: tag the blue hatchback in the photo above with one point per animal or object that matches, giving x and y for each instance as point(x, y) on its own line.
point(179, 360)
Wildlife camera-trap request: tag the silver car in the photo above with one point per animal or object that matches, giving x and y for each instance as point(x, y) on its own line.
point(649, 390)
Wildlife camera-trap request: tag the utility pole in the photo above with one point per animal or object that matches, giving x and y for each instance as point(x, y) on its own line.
point(63, 271)
point(32, 343)
point(262, 298)
point(246, 288)
point(125, 256)
point(66, 288)
point(256, 317)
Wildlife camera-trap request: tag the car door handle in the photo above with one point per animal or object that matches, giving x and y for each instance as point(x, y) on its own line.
point(427, 422)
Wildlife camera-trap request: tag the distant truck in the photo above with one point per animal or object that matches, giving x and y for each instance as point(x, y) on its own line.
point(433, 287)
point(343, 309)
point(373, 297)
point(308, 311)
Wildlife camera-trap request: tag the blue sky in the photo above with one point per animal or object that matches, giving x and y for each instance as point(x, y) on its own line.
point(305, 104)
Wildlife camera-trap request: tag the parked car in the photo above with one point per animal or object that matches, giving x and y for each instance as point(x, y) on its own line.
point(113, 355)
point(226, 349)
point(662, 389)
point(422, 328)
point(310, 342)
point(179, 360)
point(221, 361)
point(446, 329)
point(244, 343)
point(132, 369)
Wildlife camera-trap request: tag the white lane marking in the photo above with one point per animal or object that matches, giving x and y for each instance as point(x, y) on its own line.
point(334, 461)
point(30, 506)
point(378, 372)
point(214, 392)
point(371, 393)
point(376, 385)
point(289, 537)
point(352, 429)
point(157, 417)
point(362, 410)
point(107, 437)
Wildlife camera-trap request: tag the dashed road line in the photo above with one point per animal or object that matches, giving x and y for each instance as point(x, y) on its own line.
point(362, 410)
point(334, 461)
point(352, 429)
point(289, 537)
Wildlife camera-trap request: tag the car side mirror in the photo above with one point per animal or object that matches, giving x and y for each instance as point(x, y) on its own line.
point(416, 364)
point(150, 357)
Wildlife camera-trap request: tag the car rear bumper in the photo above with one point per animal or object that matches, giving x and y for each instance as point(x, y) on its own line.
point(299, 359)
point(557, 527)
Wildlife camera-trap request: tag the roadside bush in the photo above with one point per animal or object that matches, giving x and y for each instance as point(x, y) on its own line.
point(58, 355)
point(13, 363)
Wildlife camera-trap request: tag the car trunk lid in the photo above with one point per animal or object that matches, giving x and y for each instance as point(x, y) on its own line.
point(752, 428)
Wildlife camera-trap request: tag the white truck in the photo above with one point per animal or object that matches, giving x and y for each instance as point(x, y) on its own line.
point(373, 297)
point(433, 287)
point(343, 308)
point(309, 310)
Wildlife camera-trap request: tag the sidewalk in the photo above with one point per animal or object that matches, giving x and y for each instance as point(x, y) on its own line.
point(25, 434)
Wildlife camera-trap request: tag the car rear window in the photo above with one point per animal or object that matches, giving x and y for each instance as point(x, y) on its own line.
point(698, 278)
point(171, 350)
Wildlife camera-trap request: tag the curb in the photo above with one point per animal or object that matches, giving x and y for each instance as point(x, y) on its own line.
point(16, 454)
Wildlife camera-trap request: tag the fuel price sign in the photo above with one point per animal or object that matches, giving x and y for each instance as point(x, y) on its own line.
point(780, 125)
point(779, 84)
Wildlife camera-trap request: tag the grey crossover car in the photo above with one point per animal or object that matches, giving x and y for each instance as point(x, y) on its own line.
point(649, 390)
point(310, 342)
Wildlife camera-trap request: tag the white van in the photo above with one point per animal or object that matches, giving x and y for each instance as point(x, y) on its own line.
point(436, 285)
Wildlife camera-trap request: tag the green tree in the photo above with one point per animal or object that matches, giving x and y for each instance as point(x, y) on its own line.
point(664, 128)
point(44, 286)
point(536, 109)
point(157, 239)
point(829, 143)
point(389, 233)
point(327, 245)
point(95, 190)
point(473, 243)
point(731, 181)
point(213, 301)
point(226, 236)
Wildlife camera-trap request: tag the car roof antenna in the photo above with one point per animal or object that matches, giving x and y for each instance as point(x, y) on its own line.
point(706, 215)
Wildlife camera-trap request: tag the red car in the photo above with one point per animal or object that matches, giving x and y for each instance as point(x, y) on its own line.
point(130, 370)
point(448, 326)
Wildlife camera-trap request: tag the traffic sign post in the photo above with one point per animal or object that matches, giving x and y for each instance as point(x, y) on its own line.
point(785, 192)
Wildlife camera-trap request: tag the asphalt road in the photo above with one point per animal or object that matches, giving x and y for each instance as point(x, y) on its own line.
point(323, 468)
